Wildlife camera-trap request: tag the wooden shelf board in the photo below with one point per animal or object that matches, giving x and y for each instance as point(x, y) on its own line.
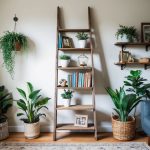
point(132, 44)
point(76, 88)
point(74, 68)
point(72, 127)
point(134, 63)
point(74, 49)
point(74, 30)
point(76, 107)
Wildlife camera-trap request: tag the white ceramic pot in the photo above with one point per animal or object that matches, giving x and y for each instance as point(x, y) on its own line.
point(32, 130)
point(64, 63)
point(123, 39)
point(67, 102)
point(82, 43)
point(4, 130)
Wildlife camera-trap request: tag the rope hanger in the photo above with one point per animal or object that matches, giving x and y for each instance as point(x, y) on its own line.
point(15, 20)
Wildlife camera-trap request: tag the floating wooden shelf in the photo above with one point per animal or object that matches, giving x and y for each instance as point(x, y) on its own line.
point(72, 127)
point(123, 65)
point(75, 49)
point(76, 88)
point(74, 30)
point(75, 68)
point(75, 107)
point(124, 44)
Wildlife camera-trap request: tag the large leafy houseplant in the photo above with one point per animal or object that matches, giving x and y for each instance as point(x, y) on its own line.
point(123, 102)
point(130, 32)
point(5, 103)
point(9, 43)
point(31, 104)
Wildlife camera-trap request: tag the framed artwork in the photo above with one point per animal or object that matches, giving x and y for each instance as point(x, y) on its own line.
point(81, 120)
point(145, 32)
point(66, 42)
point(124, 57)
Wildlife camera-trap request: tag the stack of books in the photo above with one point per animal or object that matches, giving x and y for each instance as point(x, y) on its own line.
point(80, 79)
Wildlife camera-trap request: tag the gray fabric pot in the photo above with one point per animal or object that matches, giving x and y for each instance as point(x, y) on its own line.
point(145, 116)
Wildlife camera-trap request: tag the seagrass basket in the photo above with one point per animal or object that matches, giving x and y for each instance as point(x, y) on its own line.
point(4, 130)
point(123, 130)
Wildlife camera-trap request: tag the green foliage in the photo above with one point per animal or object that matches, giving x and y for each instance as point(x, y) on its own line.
point(5, 103)
point(64, 57)
point(31, 104)
point(67, 94)
point(136, 84)
point(124, 103)
point(8, 46)
point(130, 32)
point(82, 36)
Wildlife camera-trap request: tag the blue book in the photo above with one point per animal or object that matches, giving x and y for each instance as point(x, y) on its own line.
point(59, 40)
point(72, 80)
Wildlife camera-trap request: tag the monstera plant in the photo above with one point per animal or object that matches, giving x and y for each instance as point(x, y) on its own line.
point(30, 104)
point(11, 42)
point(5, 104)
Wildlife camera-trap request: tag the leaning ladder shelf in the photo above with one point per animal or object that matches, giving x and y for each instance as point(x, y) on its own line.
point(71, 127)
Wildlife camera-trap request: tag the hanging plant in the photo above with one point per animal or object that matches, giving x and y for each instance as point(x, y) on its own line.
point(9, 43)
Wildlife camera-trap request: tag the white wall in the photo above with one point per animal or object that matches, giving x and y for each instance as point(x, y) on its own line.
point(37, 20)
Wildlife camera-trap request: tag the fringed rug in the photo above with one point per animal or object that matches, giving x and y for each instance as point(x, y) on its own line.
point(79, 146)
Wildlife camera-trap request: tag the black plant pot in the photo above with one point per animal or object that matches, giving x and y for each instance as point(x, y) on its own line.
point(145, 116)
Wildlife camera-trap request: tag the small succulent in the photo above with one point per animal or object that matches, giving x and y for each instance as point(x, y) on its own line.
point(82, 36)
point(64, 57)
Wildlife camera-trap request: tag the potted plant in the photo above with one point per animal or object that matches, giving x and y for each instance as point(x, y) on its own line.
point(11, 42)
point(82, 37)
point(64, 60)
point(5, 104)
point(126, 34)
point(31, 106)
point(67, 95)
point(123, 124)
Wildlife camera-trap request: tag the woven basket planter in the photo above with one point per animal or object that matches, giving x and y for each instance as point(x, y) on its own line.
point(4, 130)
point(123, 130)
point(32, 130)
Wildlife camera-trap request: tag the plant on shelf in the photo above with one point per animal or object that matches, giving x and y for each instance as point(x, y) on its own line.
point(123, 123)
point(31, 106)
point(126, 34)
point(82, 37)
point(64, 60)
point(67, 95)
point(9, 43)
point(5, 104)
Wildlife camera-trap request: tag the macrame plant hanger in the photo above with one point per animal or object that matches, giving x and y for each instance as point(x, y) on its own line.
point(15, 20)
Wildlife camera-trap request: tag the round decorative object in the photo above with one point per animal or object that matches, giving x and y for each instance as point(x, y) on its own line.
point(82, 60)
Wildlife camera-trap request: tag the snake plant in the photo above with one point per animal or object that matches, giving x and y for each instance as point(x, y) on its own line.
point(31, 104)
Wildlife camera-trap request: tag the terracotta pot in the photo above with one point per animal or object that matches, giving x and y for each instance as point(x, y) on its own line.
point(4, 130)
point(123, 130)
point(32, 130)
point(17, 46)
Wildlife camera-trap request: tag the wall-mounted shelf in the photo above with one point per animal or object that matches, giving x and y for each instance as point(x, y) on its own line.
point(123, 65)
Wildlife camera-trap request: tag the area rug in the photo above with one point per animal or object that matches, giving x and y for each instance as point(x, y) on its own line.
point(79, 146)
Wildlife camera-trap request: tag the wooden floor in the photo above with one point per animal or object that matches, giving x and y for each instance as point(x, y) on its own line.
point(72, 137)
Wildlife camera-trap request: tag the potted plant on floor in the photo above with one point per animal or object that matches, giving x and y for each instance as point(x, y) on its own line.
point(31, 106)
point(67, 95)
point(5, 104)
point(123, 124)
point(11, 42)
point(64, 60)
point(126, 34)
point(82, 37)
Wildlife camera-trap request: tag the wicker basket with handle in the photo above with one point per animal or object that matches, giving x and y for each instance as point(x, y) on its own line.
point(123, 130)
point(4, 130)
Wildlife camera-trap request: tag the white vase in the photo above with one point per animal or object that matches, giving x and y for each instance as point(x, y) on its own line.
point(82, 43)
point(67, 102)
point(64, 63)
point(32, 130)
point(123, 38)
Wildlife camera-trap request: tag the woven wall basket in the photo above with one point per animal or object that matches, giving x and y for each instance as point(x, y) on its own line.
point(123, 130)
point(4, 130)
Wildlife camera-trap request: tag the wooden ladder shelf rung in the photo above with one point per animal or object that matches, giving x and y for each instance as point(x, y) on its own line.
point(91, 127)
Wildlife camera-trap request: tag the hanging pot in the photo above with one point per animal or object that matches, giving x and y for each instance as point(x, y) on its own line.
point(17, 46)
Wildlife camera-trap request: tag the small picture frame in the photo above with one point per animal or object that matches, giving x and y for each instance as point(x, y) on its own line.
point(145, 32)
point(81, 120)
point(66, 42)
point(124, 57)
